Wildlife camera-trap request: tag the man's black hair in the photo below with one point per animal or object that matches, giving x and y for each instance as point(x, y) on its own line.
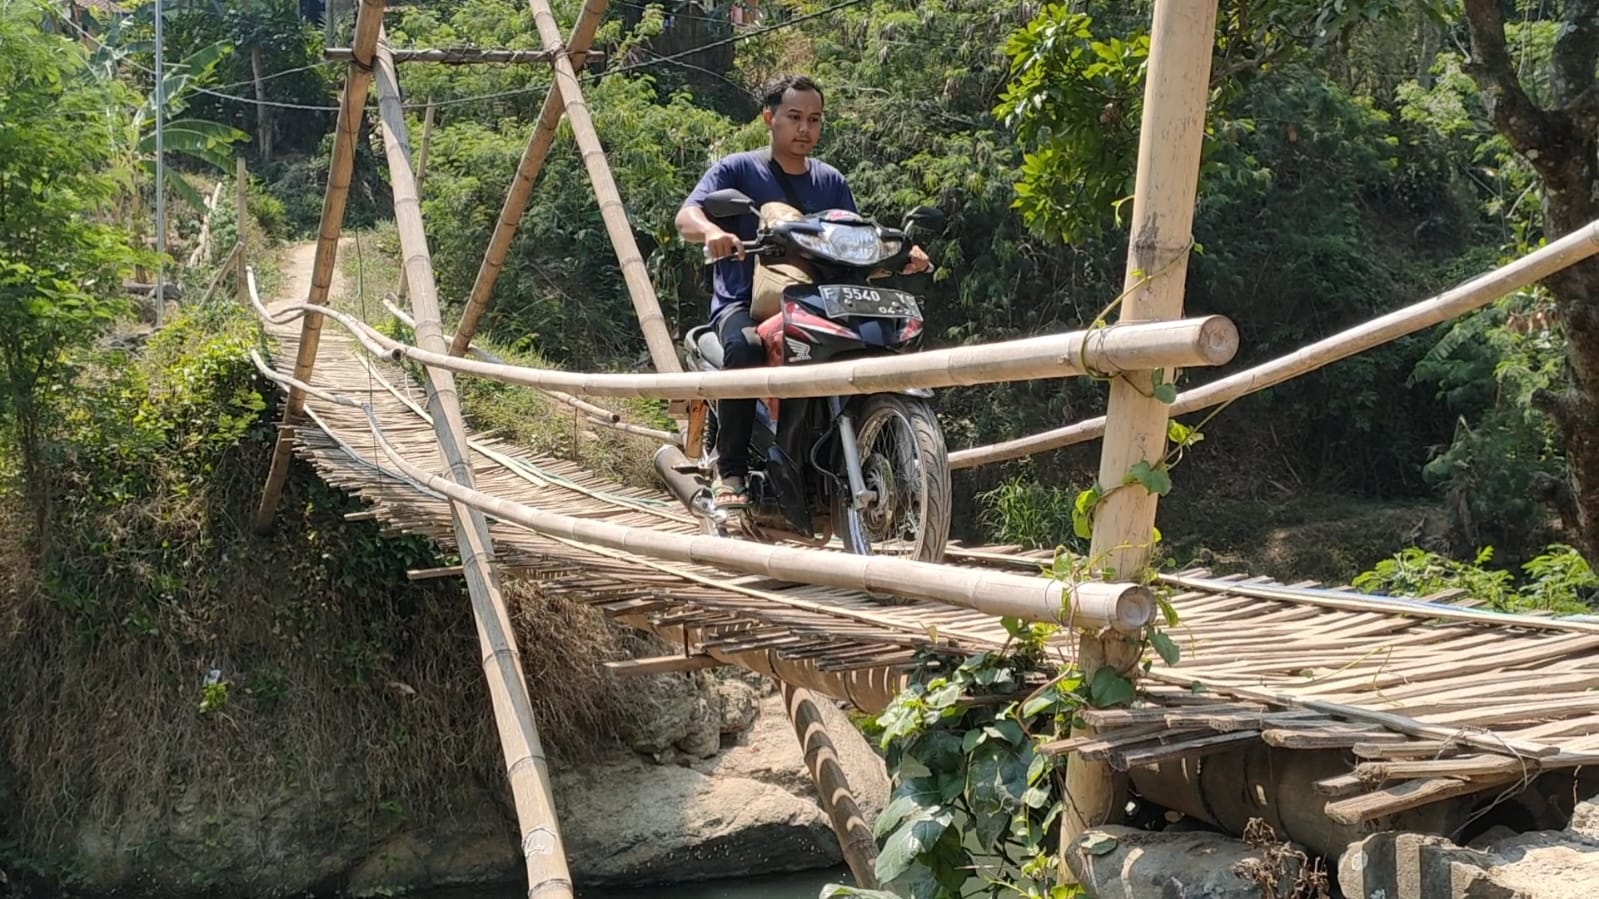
point(772, 93)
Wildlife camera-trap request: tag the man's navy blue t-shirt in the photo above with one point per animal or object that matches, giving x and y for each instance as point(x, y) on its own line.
point(753, 173)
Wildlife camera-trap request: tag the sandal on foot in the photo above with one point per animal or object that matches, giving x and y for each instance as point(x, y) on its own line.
point(728, 498)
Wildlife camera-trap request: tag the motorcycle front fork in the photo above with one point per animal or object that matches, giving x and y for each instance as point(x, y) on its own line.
point(854, 533)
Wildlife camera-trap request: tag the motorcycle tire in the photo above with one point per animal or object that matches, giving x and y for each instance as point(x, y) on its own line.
point(914, 484)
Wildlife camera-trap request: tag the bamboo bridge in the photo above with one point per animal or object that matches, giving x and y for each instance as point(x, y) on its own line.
point(1368, 711)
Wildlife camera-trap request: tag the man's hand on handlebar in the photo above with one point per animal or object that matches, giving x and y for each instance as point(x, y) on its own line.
point(917, 263)
point(722, 245)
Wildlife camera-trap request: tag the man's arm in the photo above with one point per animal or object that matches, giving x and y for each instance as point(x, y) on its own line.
point(694, 226)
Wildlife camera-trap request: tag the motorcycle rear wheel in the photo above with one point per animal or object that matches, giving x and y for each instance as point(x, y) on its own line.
point(904, 460)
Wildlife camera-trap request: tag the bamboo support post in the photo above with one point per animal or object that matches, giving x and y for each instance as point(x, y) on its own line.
point(832, 785)
point(1474, 294)
point(527, 171)
point(241, 180)
point(456, 56)
point(421, 179)
point(1130, 347)
point(233, 261)
point(341, 165)
point(203, 241)
point(663, 353)
point(1181, 41)
point(526, 765)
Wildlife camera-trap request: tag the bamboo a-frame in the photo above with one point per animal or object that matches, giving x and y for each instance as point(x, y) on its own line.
point(525, 761)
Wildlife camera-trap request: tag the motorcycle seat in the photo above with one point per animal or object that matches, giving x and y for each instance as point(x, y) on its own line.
point(702, 341)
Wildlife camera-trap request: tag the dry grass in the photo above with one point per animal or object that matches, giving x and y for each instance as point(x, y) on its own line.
point(334, 675)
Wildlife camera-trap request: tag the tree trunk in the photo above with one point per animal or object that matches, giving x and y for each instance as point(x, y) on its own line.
point(1562, 144)
point(263, 115)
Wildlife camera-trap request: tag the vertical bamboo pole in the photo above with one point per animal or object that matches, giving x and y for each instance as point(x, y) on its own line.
point(358, 78)
point(832, 786)
point(526, 765)
point(634, 272)
point(1181, 41)
point(241, 200)
point(527, 171)
point(421, 178)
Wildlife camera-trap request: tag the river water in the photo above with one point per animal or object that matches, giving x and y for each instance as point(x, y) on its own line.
point(801, 885)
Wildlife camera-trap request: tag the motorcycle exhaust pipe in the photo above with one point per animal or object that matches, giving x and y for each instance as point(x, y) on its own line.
point(674, 468)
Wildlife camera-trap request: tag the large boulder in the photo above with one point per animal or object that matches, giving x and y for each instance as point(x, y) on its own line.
point(1537, 865)
point(1127, 863)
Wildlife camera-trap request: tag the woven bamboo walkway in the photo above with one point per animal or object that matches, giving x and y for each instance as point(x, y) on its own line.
point(1432, 700)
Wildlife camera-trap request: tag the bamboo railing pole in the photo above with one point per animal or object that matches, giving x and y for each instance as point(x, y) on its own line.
point(1452, 303)
point(1181, 40)
point(832, 785)
point(527, 171)
point(1102, 350)
point(662, 351)
point(526, 765)
point(241, 181)
point(358, 78)
point(421, 178)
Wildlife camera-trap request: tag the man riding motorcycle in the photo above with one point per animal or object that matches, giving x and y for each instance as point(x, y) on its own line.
point(784, 182)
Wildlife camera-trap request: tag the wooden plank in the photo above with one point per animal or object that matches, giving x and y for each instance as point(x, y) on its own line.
point(675, 664)
point(1403, 797)
point(1152, 755)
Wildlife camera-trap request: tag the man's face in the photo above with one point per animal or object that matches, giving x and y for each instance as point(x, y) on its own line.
point(796, 124)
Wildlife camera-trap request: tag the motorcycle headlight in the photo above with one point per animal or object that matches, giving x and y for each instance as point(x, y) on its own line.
point(849, 244)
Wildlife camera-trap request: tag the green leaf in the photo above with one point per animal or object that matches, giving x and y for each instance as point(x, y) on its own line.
point(1108, 688)
point(1166, 392)
point(944, 696)
point(1083, 512)
point(908, 799)
point(836, 890)
point(972, 739)
point(1155, 478)
point(1181, 434)
point(915, 836)
point(1167, 610)
point(939, 750)
point(1169, 653)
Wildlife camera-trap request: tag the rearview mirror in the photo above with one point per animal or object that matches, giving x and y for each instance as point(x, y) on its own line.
point(728, 203)
point(929, 217)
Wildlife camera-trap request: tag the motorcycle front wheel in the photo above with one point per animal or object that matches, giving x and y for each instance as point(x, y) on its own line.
point(906, 466)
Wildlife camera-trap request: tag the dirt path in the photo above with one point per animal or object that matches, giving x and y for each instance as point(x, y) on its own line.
point(298, 262)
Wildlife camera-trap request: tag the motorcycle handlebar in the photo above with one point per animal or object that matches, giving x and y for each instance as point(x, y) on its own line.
point(750, 246)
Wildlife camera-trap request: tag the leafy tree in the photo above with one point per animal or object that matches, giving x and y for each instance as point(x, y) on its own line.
point(59, 265)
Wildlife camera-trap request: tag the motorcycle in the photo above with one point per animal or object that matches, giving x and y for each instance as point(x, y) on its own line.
point(872, 469)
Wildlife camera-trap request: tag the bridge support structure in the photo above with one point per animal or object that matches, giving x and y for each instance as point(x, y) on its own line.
point(341, 167)
point(526, 764)
point(1175, 94)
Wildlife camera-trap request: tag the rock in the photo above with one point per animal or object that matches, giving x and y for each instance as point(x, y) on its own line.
point(1126, 863)
point(741, 704)
point(476, 845)
point(1585, 821)
point(630, 821)
point(1537, 865)
point(769, 752)
point(675, 712)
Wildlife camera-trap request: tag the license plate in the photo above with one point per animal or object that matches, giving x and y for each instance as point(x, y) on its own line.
point(844, 301)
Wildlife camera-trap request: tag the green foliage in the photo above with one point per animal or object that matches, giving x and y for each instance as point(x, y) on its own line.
point(1029, 514)
point(974, 800)
point(60, 267)
point(1075, 99)
point(1557, 580)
